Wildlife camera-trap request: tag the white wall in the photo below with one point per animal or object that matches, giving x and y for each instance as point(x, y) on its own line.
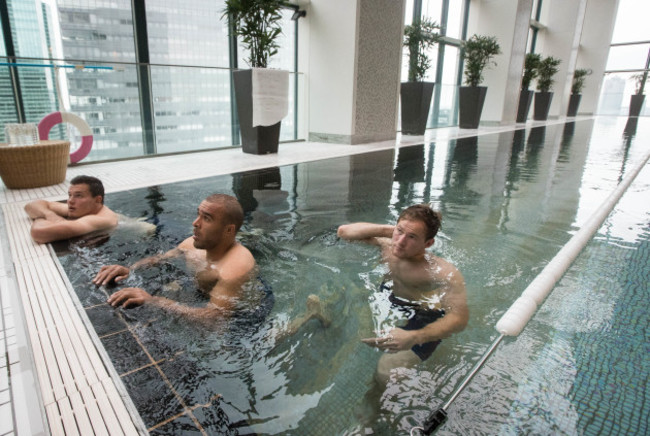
point(597, 32)
point(332, 26)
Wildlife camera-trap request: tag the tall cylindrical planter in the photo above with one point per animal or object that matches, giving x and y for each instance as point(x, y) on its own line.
point(574, 102)
point(259, 139)
point(542, 105)
point(525, 100)
point(636, 104)
point(415, 100)
point(470, 106)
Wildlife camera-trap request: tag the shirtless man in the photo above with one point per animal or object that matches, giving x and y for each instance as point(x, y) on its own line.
point(222, 264)
point(432, 288)
point(83, 213)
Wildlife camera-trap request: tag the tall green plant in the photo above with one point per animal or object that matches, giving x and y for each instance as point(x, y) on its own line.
point(546, 69)
point(257, 22)
point(478, 52)
point(418, 38)
point(530, 69)
point(579, 77)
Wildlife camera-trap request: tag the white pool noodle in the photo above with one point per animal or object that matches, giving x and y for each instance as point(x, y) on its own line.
point(522, 310)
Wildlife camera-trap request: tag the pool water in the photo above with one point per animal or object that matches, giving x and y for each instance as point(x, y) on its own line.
point(509, 202)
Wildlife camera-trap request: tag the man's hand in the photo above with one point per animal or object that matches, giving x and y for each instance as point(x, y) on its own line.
point(396, 340)
point(129, 297)
point(111, 272)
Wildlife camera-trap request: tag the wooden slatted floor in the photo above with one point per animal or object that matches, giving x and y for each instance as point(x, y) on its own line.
point(78, 394)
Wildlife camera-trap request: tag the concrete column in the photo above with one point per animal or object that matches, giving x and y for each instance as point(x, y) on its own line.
point(597, 32)
point(560, 39)
point(353, 69)
point(508, 21)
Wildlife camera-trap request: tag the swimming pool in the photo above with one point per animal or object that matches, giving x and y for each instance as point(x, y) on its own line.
point(509, 202)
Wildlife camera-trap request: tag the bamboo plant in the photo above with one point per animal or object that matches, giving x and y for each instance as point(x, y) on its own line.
point(418, 38)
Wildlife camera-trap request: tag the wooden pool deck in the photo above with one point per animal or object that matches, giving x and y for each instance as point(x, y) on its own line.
point(54, 374)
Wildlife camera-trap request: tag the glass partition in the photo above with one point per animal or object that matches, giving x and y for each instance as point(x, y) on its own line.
point(79, 56)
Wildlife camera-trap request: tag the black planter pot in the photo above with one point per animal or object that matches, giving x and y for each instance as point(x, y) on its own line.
point(415, 99)
point(636, 104)
point(542, 105)
point(574, 102)
point(525, 100)
point(470, 106)
point(254, 140)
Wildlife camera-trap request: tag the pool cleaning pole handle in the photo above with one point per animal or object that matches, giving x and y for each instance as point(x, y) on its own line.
point(437, 418)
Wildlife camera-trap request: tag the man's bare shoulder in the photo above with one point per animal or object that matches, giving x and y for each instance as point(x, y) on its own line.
point(238, 262)
point(442, 268)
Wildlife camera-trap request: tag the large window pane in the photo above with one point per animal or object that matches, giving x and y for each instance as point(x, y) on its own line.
point(187, 33)
point(108, 100)
point(191, 101)
point(447, 89)
point(455, 19)
point(432, 9)
point(627, 57)
point(93, 30)
point(615, 95)
point(632, 21)
point(191, 108)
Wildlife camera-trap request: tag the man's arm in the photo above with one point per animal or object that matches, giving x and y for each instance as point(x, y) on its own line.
point(222, 302)
point(230, 279)
point(46, 209)
point(50, 223)
point(56, 228)
point(119, 272)
point(456, 316)
point(365, 232)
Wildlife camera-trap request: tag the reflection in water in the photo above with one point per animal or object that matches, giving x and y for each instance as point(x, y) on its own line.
point(244, 184)
point(463, 162)
point(155, 198)
point(628, 136)
point(567, 139)
point(409, 174)
point(534, 147)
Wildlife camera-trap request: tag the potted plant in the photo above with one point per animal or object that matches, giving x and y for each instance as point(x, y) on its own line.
point(415, 95)
point(257, 23)
point(477, 52)
point(636, 100)
point(546, 69)
point(579, 77)
point(526, 95)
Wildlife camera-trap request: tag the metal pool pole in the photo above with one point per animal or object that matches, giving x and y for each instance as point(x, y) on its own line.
point(522, 310)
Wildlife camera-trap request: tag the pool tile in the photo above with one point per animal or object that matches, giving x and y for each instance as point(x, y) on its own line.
point(151, 396)
point(181, 425)
point(126, 353)
point(105, 319)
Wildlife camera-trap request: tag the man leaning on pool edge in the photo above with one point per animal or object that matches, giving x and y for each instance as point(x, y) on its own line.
point(83, 213)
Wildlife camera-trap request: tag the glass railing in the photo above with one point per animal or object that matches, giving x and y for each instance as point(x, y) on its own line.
point(190, 108)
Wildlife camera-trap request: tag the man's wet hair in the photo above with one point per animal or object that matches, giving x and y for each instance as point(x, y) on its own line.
point(233, 213)
point(423, 212)
point(95, 186)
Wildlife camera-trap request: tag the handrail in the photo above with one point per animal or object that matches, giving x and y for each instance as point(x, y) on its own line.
point(517, 316)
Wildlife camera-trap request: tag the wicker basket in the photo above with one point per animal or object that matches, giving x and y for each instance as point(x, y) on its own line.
point(32, 166)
